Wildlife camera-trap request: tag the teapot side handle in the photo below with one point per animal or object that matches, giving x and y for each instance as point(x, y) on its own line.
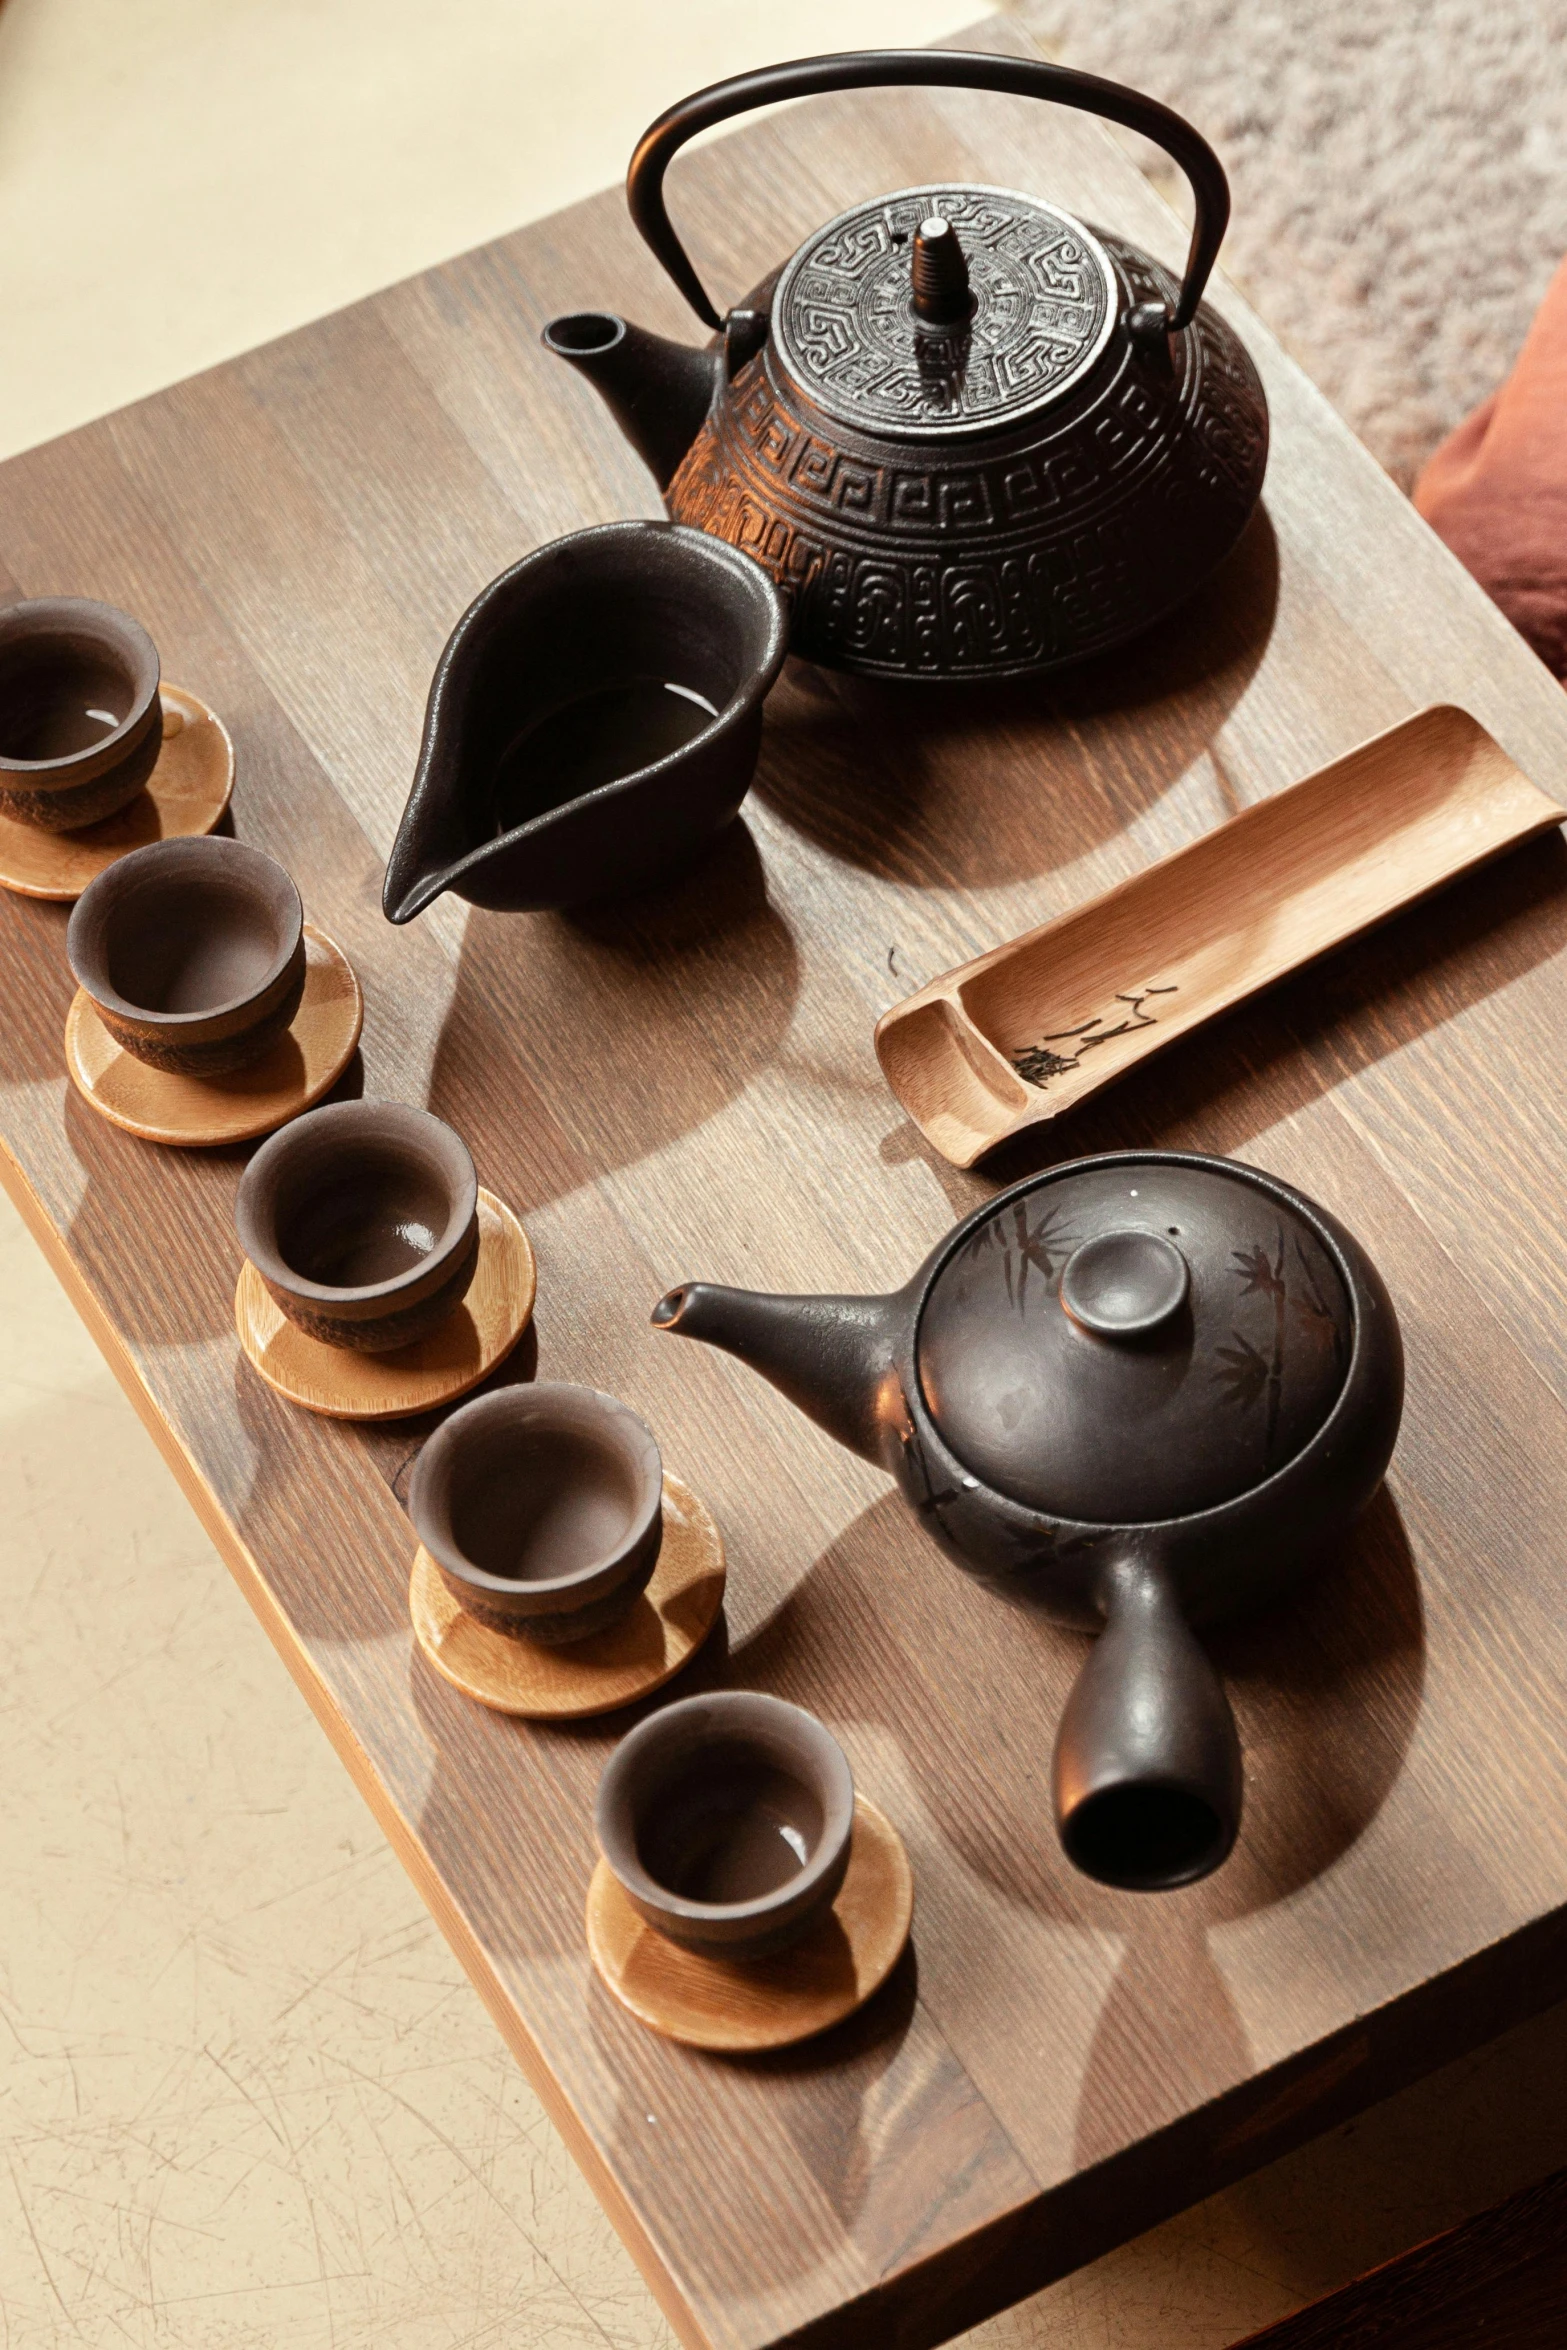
point(1146, 1774)
point(964, 69)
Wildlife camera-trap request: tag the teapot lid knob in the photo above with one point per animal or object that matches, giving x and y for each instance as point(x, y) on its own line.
point(942, 295)
point(1125, 1284)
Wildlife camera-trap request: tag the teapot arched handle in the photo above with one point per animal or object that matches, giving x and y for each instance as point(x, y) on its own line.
point(962, 69)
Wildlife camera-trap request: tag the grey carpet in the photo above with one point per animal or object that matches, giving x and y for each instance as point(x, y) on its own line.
point(1399, 172)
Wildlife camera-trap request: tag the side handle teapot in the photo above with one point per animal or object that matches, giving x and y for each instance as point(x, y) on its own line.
point(1141, 1392)
point(969, 435)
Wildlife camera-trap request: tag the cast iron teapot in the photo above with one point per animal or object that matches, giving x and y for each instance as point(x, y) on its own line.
point(969, 435)
point(1140, 1391)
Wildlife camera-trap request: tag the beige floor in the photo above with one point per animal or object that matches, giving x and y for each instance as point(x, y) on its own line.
point(246, 2098)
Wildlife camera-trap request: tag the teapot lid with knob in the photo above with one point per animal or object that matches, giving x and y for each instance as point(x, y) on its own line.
point(1134, 1343)
point(969, 434)
point(943, 312)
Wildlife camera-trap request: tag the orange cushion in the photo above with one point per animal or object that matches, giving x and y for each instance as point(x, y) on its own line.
point(1496, 489)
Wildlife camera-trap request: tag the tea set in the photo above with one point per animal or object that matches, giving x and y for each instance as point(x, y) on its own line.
point(958, 435)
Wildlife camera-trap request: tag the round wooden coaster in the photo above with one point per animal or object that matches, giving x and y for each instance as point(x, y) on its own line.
point(342, 1385)
point(186, 792)
point(668, 1624)
point(195, 1112)
point(737, 2009)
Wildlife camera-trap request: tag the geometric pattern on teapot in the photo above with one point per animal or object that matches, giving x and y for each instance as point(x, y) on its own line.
point(1043, 546)
point(844, 325)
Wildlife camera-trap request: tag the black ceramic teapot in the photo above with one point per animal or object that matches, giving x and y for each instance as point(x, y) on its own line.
point(1139, 1391)
point(968, 434)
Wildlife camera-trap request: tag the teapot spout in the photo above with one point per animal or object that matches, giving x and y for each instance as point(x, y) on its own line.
point(658, 391)
point(831, 1356)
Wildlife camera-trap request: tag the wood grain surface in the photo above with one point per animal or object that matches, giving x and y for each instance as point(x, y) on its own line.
point(1030, 1030)
point(687, 1087)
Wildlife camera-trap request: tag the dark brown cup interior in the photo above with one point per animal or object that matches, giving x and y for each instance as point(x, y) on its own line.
point(189, 945)
point(185, 930)
point(542, 1506)
point(59, 697)
point(731, 1825)
point(728, 1820)
point(536, 1505)
point(361, 1217)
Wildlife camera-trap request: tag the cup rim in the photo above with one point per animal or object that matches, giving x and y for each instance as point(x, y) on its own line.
point(535, 1399)
point(612, 1815)
point(117, 628)
point(445, 1143)
point(114, 882)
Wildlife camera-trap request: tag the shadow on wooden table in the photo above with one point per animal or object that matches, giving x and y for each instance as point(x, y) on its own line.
point(34, 1044)
point(1326, 1691)
point(1344, 1652)
point(440, 1707)
point(828, 2096)
point(889, 776)
point(831, 2096)
point(576, 1044)
point(365, 1598)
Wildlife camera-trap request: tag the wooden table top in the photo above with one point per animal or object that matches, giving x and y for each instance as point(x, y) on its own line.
point(689, 1089)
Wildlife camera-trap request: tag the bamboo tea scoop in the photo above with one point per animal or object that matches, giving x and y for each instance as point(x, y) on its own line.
point(1034, 1027)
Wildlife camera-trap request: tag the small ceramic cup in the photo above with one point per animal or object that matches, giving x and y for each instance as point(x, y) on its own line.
point(727, 1820)
point(81, 725)
point(542, 1507)
point(193, 953)
point(362, 1219)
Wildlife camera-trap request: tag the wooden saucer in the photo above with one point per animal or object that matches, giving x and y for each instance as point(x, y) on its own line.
point(186, 792)
point(668, 1624)
point(343, 1385)
point(194, 1112)
point(737, 2009)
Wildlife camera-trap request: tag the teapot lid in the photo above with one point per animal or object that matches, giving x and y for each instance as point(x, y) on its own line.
point(1134, 1339)
point(1038, 308)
